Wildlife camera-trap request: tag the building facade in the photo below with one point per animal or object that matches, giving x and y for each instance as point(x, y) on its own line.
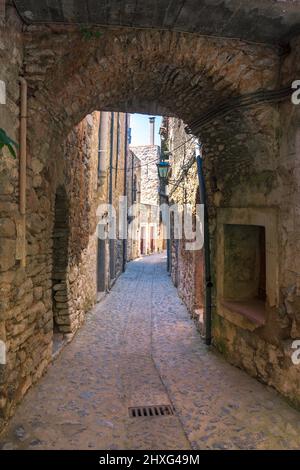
point(60, 268)
point(186, 267)
point(134, 181)
point(147, 189)
point(251, 317)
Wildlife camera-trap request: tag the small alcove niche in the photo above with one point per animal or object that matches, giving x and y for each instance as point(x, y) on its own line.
point(247, 270)
point(245, 262)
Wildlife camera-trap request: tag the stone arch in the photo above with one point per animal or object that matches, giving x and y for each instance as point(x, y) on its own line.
point(61, 231)
point(160, 72)
point(164, 73)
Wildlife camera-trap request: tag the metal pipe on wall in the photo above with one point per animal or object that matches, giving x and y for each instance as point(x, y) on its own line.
point(23, 168)
point(102, 180)
point(103, 151)
point(23, 146)
point(208, 293)
point(111, 172)
point(152, 130)
point(126, 150)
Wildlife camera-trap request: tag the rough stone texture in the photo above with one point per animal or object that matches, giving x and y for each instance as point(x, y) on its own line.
point(172, 64)
point(59, 282)
point(186, 266)
point(118, 178)
point(149, 156)
point(139, 347)
point(16, 300)
point(266, 353)
point(150, 234)
point(250, 160)
point(253, 171)
point(74, 268)
point(259, 20)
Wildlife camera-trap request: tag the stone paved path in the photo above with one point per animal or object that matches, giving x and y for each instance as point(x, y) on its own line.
point(139, 347)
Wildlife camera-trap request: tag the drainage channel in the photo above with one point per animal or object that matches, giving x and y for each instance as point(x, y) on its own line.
point(151, 411)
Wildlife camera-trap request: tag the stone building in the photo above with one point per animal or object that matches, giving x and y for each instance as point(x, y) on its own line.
point(249, 229)
point(134, 172)
point(84, 266)
point(149, 201)
point(232, 88)
point(54, 274)
point(186, 267)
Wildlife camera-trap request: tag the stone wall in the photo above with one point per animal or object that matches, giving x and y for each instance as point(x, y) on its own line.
point(264, 182)
point(149, 156)
point(134, 172)
point(157, 72)
point(254, 175)
point(19, 304)
point(74, 270)
point(59, 284)
point(118, 178)
point(27, 298)
point(150, 233)
point(186, 266)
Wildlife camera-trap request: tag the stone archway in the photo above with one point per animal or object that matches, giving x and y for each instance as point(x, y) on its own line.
point(158, 72)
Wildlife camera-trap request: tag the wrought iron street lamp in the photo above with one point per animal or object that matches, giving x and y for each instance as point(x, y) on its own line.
point(163, 171)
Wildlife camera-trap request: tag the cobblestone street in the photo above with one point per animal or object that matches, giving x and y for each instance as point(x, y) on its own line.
point(139, 347)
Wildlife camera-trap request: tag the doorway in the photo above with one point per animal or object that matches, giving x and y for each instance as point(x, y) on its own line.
point(152, 239)
point(101, 263)
point(143, 241)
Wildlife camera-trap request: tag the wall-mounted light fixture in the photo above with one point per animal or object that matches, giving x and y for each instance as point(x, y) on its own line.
point(163, 170)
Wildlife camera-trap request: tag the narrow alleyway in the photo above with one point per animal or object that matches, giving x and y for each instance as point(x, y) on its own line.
point(139, 347)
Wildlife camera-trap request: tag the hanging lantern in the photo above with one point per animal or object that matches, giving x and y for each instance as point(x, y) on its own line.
point(163, 170)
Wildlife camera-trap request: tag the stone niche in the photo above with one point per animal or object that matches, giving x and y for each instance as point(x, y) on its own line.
point(247, 265)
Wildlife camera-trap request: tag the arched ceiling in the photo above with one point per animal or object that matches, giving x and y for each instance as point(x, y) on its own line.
point(269, 21)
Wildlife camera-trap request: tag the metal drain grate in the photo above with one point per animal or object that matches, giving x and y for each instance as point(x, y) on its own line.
point(151, 411)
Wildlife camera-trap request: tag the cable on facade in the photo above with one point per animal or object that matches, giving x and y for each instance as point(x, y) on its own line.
point(264, 96)
point(155, 161)
point(244, 101)
point(250, 99)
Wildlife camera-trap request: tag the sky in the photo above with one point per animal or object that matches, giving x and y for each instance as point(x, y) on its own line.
point(140, 130)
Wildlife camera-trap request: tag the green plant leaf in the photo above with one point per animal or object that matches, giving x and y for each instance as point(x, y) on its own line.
point(6, 141)
point(89, 34)
point(12, 150)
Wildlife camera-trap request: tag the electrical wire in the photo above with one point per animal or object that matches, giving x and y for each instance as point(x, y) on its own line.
point(238, 102)
point(156, 160)
point(184, 143)
point(183, 174)
point(248, 100)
